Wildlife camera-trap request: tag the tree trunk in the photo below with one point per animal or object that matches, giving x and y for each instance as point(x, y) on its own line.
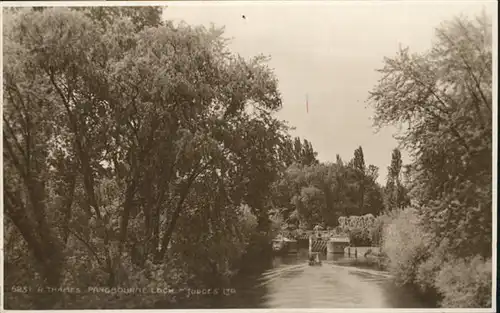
point(171, 226)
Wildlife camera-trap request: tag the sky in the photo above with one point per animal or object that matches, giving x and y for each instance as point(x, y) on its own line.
point(329, 51)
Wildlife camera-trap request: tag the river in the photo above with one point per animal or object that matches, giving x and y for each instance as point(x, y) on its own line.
point(289, 282)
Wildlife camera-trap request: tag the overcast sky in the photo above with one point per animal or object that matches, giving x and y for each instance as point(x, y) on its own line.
point(329, 50)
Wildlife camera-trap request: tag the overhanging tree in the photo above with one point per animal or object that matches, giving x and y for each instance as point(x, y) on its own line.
point(118, 133)
point(444, 100)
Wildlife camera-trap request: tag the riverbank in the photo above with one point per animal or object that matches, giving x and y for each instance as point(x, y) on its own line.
point(364, 257)
point(378, 265)
point(371, 258)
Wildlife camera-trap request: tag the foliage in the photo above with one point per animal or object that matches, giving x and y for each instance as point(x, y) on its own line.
point(414, 260)
point(359, 237)
point(395, 193)
point(377, 229)
point(372, 192)
point(443, 98)
point(145, 17)
point(321, 193)
point(358, 163)
point(429, 269)
point(124, 141)
point(351, 222)
point(302, 152)
point(466, 283)
point(145, 154)
point(359, 228)
point(442, 101)
point(277, 224)
point(406, 245)
point(292, 153)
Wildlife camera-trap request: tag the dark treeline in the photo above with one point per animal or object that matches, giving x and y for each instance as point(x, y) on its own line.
point(312, 193)
point(142, 154)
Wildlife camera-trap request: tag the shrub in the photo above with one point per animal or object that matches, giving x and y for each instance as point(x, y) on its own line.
point(358, 227)
point(425, 277)
point(414, 259)
point(406, 245)
point(429, 269)
point(377, 229)
point(359, 237)
point(465, 283)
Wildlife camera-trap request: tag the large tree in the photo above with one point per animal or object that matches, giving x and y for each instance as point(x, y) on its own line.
point(395, 193)
point(125, 139)
point(358, 163)
point(373, 199)
point(443, 98)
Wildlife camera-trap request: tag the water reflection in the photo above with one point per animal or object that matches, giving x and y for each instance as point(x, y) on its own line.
point(291, 283)
point(322, 287)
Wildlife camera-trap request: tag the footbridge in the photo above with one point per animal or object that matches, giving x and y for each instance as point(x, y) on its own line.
point(329, 241)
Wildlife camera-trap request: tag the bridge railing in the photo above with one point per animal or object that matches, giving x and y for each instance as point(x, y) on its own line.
point(316, 233)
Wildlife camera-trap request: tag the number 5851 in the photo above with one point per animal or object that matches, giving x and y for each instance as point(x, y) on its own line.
point(20, 289)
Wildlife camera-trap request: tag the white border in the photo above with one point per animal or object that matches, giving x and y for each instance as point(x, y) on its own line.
point(215, 3)
point(384, 310)
point(270, 2)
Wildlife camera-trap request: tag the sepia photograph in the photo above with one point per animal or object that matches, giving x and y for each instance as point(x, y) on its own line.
point(211, 155)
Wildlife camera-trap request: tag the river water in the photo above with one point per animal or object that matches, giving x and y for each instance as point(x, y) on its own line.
point(289, 282)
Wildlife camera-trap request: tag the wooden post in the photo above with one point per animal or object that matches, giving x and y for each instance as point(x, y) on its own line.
point(310, 245)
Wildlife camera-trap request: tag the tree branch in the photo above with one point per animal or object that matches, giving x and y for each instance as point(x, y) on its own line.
point(168, 233)
point(94, 253)
point(467, 66)
point(16, 142)
point(87, 171)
